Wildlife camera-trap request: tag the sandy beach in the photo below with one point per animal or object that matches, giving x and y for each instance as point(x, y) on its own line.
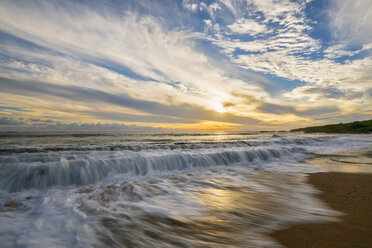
point(184, 190)
point(349, 193)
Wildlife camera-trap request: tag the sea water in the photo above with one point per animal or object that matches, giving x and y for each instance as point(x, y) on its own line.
point(160, 189)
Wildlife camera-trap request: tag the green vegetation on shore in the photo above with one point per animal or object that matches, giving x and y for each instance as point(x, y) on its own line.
point(352, 127)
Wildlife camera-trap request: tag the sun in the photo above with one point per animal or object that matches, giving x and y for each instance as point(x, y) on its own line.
point(218, 107)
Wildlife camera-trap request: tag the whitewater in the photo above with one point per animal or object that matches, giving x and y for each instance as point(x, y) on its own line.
point(127, 189)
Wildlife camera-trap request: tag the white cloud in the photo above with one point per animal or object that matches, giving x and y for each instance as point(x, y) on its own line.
point(289, 33)
point(229, 4)
point(190, 6)
point(140, 55)
point(175, 72)
point(7, 124)
point(321, 71)
point(340, 50)
point(290, 43)
point(350, 21)
point(289, 51)
point(337, 51)
point(247, 26)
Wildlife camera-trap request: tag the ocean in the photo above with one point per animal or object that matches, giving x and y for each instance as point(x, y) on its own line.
point(127, 189)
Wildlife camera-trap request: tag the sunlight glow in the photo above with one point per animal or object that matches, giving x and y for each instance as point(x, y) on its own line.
point(137, 63)
point(218, 107)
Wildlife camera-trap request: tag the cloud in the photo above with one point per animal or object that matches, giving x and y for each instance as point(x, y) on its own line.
point(247, 26)
point(40, 125)
point(154, 109)
point(13, 108)
point(145, 62)
point(290, 52)
point(331, 92)
point(139, 43)
point(369, 92)
point(350, 21)
point(10, 122)
point(312, 71)
point(190, 6)
point(340, 50)
point(287, 109)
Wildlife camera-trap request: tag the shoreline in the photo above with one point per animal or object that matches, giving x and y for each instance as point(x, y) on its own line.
point(349, 193)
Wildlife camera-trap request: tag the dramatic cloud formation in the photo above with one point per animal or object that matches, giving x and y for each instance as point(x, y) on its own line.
point(225, 64)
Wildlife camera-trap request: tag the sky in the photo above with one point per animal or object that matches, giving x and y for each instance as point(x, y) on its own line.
point(184, 65)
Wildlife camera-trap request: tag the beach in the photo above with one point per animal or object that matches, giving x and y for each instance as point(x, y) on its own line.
point(193, 124)
point(183, 189)
point(349, 193)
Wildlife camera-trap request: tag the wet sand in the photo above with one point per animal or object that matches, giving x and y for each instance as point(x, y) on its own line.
point(349, 193)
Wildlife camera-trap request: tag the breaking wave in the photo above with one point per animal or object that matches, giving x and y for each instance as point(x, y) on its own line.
point(42, 170)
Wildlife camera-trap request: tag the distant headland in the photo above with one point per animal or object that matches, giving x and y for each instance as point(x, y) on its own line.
point(351, 127)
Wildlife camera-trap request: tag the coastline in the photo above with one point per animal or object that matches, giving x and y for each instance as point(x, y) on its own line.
point(349, 193)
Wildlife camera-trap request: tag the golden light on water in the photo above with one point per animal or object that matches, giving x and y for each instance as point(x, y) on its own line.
point(218, 198)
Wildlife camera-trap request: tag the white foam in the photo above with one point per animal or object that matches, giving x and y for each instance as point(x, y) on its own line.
point(103, 197)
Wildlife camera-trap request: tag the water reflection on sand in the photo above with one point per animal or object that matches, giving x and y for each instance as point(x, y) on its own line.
point(352, 161)
point(217, 212)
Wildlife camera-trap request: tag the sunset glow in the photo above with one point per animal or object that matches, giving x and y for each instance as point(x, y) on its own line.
point(219, 108)
point(252, 65)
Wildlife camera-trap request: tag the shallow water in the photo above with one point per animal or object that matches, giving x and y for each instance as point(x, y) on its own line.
point(348, 161)
point(159, 190)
